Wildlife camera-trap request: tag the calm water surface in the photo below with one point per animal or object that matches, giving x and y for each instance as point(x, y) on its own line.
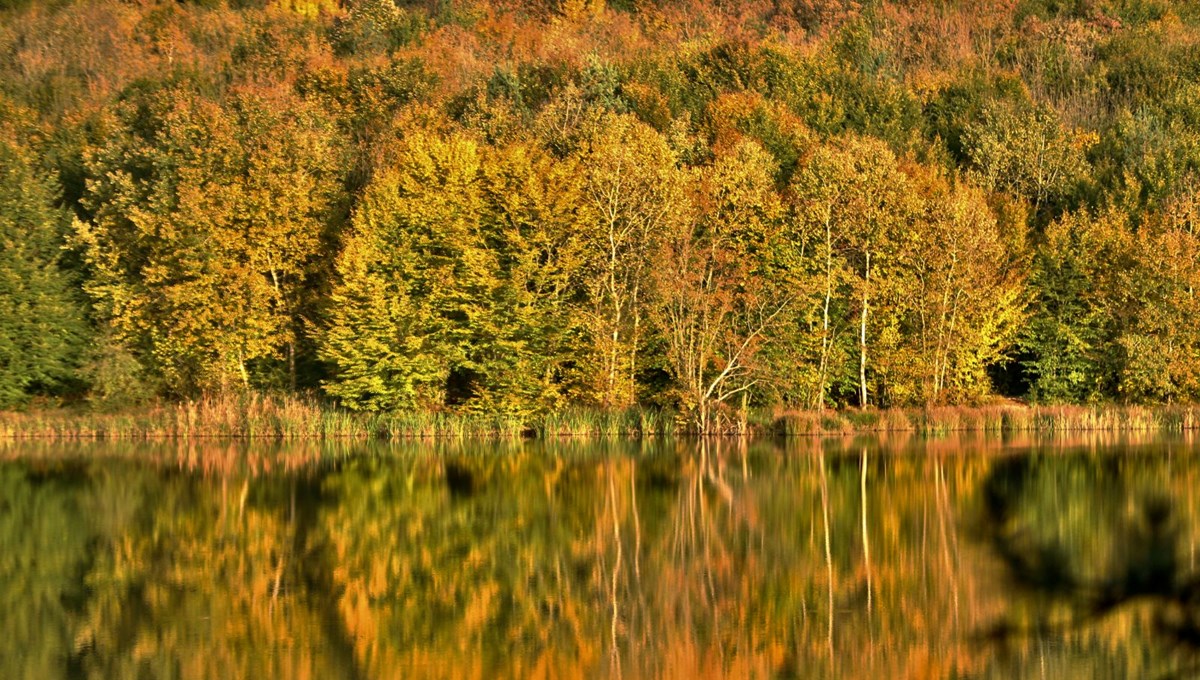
point(865, 558)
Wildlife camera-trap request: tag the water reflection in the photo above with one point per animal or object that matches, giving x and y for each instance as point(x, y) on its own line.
point(894, 557)
point(1132, 568)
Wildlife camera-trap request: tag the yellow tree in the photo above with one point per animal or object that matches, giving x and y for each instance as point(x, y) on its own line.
point(818, 219)
point(1026, 150)
point(969, 299)
point(856, 194)
point(293, 159)
point(205, 221)
point(635, 190)
point(1160, 341)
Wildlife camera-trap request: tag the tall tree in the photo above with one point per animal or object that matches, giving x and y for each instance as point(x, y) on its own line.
point(414, 278)
point(1075, 281)
point(1159, 338)
point(42, 328)
point(716, 295)
point(819, 220)
point(969, 299)
point(535, 218)
point(856, 193)
point(459, 283)
point(635, 189)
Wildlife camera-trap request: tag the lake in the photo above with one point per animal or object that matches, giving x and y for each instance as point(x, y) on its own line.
point(964, 557)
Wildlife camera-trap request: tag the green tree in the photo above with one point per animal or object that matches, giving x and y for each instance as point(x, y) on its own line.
point(1025, 150)
point(534, 220)
point(42, 327)
point(413, 278)
point(463, 267)
point(1073, 324)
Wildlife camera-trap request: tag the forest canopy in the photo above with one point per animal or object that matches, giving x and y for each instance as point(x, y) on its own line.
point(519, 207)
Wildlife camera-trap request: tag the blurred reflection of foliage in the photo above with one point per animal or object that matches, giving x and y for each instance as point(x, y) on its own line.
point(44, 535)
point(1095, 550)
point(203, 580)
point(657, 559)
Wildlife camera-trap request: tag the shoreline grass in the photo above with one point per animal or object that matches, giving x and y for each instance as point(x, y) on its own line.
point(292, 418)
point(1001, 419)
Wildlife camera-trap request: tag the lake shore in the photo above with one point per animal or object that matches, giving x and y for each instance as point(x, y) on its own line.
point(289, 418)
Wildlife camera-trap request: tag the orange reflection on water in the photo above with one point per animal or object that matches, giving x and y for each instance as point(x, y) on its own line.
point(667, 559)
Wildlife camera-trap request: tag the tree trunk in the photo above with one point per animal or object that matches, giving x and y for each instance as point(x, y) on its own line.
point(292, 364)
point(825, 340)
point(631, 386)
point(744, 414)
point(610, 398)
point(242, 370)
point(862, 336)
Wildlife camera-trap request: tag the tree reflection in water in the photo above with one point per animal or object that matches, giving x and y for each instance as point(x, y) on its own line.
point(1134, 566)
point(619, 559)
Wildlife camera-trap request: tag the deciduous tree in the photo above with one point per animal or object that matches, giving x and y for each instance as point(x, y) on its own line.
point(635, 189)
point(205, 221)
point(717, 296)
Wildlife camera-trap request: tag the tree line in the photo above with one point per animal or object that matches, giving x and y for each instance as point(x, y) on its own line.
point(523, 207)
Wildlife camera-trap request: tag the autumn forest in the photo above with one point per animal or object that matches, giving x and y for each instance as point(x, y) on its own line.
point(518, 207)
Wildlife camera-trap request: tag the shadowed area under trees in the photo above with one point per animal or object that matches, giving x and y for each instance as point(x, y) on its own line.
point(514, 209)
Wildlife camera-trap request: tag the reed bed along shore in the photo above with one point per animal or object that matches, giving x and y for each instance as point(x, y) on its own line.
point(944, 420)
point(290, 418)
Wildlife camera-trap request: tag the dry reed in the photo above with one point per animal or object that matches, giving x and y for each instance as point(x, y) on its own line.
point(292, 418)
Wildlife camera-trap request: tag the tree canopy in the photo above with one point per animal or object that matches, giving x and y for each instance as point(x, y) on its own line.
point(521, 207)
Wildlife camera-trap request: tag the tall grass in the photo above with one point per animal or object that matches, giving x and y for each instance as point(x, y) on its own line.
point(291, 418)
point(937, 421)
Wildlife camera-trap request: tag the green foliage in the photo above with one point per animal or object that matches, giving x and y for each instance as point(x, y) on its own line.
point(453, 284)
point(960, 103)
point(42, 329)
point(1073, 326)
point(45, 530)
point(1149, 156)
point(400, 307)
point(834, 97)
point(206, 222)
point(116, 379)
point(1025, 150)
